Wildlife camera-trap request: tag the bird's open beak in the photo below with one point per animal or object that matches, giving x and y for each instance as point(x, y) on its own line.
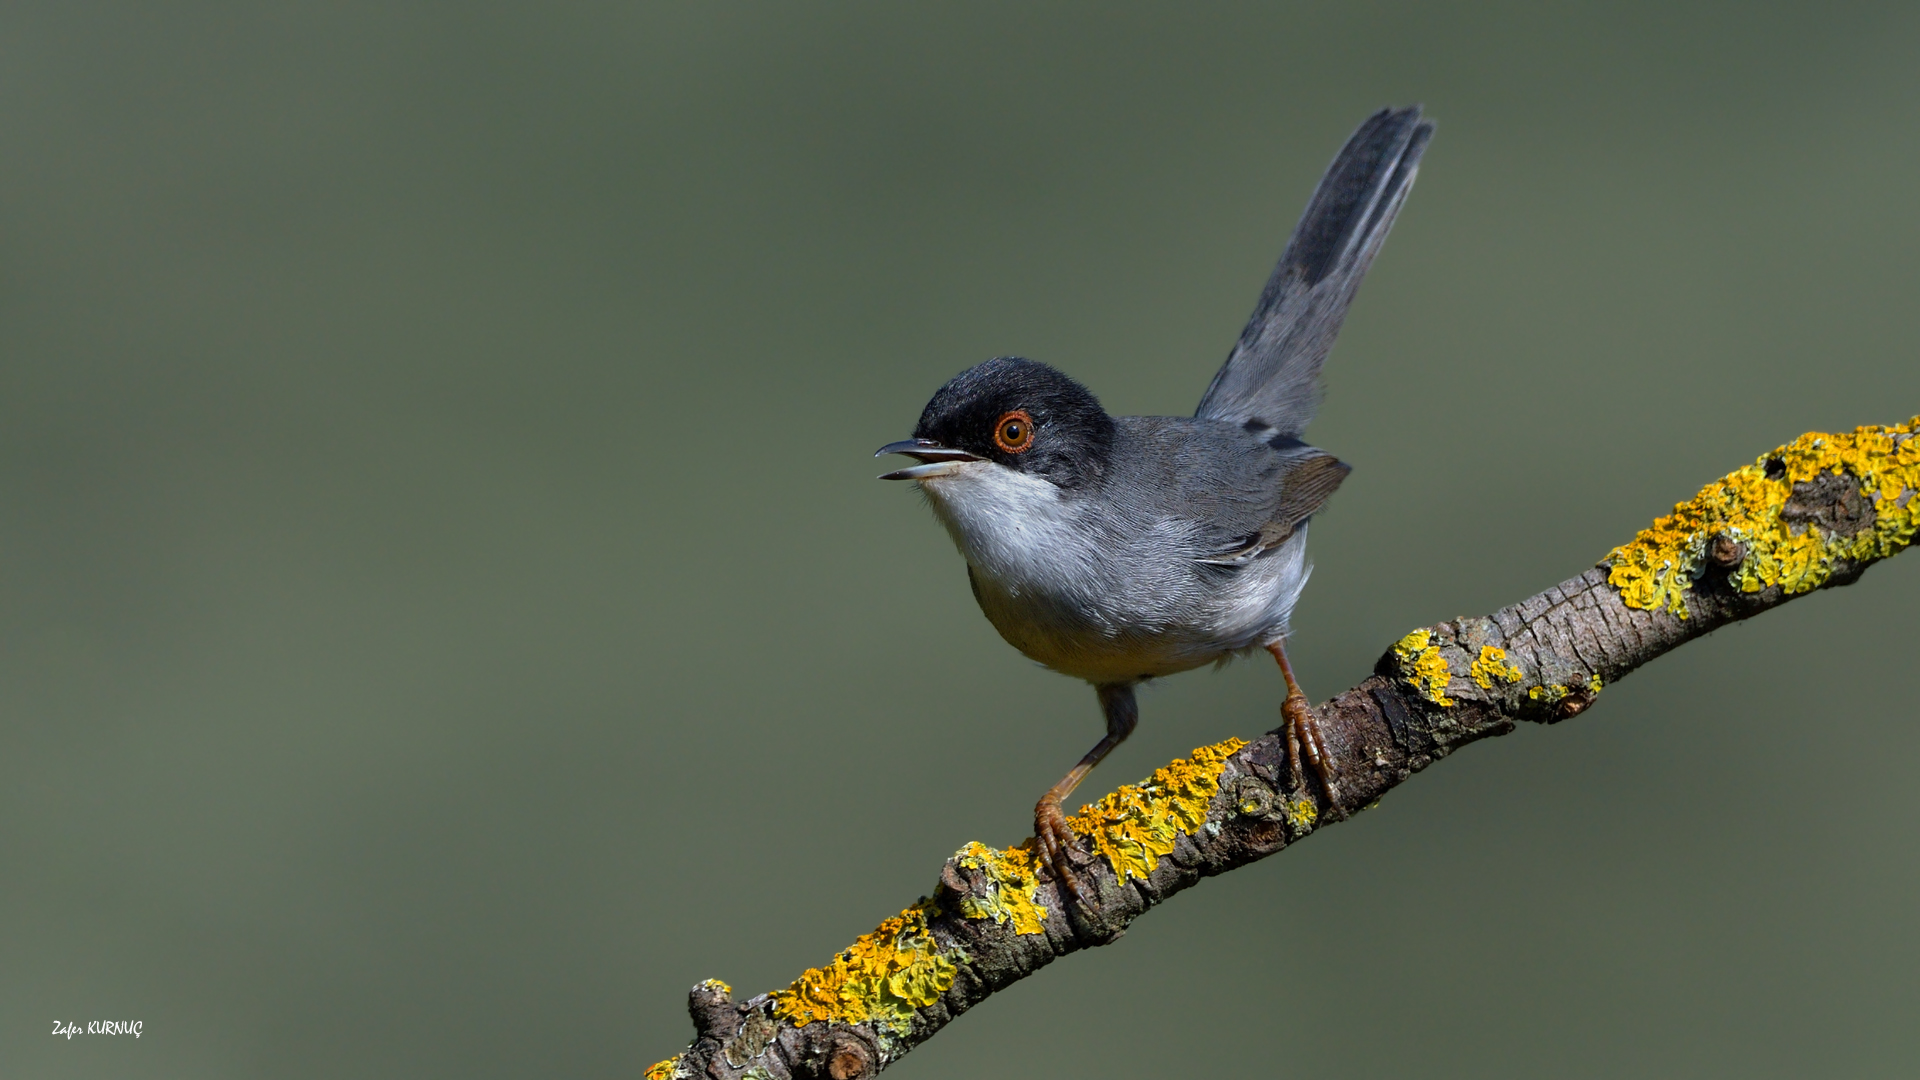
point(937, 460)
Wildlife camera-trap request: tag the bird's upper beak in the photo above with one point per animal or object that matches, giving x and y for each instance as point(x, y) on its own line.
point(937, 460)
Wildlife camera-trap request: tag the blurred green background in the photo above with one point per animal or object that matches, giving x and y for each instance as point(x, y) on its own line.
point(446, 608)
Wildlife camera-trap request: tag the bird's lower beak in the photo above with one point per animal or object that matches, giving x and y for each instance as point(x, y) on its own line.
point(937, 460)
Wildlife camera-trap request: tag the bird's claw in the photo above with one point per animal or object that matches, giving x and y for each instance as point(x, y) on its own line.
point(1306, 751)
point(1058, 847)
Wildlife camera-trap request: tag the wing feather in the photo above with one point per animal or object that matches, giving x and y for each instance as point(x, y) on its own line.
point(1307, 481)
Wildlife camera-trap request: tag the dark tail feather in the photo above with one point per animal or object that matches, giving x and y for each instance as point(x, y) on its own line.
point(1271, 381)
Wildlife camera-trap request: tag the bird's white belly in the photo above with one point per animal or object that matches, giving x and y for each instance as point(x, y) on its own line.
point(1102, 603)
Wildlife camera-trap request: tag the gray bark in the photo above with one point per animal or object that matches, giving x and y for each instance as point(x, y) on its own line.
point(1569, 642)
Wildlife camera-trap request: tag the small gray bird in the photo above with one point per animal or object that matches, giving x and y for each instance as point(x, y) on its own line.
point(1119, 549)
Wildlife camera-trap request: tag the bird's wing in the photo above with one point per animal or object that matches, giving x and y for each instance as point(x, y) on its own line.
point(1307, 477)
point(1270, 382)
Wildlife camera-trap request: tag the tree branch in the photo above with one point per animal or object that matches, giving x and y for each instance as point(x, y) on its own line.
point(1809, 515)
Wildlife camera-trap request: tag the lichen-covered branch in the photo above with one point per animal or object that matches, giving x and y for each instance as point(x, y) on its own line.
point(1814, 513)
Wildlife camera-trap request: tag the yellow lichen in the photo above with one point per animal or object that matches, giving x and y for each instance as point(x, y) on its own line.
point(1657, 567)
point(1423, 667)
point(1300, 814)
point(715, 986)
point(1136, 826)
point(1011, 887)
point(881, 978)
point(1492, 665)
point(1554, 693)
point(665, 1070)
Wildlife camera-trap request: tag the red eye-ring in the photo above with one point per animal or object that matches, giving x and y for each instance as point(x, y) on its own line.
point(1013, 432)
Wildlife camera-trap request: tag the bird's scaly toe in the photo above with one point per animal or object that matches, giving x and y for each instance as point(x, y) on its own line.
point(1306, 750)
point(1058, 847)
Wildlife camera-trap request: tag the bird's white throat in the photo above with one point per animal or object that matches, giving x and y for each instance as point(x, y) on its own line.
point(1011, 527)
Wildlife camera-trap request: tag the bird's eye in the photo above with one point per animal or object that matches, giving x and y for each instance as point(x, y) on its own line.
point(1014, 431)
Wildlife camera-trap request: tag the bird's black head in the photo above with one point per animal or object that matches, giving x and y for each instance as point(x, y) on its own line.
point(1021, 414)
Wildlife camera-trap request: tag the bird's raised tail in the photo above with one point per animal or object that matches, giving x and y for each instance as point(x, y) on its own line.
point(1271, 381)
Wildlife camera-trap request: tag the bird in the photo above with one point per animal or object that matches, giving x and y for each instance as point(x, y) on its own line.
point(1122, 549)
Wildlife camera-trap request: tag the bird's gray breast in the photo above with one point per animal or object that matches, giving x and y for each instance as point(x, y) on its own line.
point(1111, 585)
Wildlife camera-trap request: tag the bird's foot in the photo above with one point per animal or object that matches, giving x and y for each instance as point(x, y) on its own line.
point(1306, 751)
point(1059, 846)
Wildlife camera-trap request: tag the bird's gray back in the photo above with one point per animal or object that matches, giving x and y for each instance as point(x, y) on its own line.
point(1226, 481)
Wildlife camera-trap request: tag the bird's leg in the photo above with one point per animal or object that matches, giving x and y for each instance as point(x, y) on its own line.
point(1305, 749)
point(1050, 828)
